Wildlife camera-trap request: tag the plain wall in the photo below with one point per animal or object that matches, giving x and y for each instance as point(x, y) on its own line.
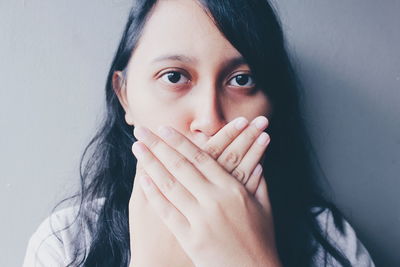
point(54, 58)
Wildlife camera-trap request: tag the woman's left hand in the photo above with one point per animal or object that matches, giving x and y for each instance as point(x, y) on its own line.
point(214, 218)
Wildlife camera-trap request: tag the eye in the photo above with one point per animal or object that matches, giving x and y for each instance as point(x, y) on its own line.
point(174, 77)
point(242, 80)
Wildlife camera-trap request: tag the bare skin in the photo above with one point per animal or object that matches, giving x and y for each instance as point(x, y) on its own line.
point(221, 144)
point(197, 91)
point(213, 217)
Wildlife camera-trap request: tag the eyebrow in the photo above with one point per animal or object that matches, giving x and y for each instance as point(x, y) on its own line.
point(234, 62)
point(231, 63)
point(176, 57)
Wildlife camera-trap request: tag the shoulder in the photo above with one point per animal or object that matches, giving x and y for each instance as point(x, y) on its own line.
point(346, 241)
point(59, 237)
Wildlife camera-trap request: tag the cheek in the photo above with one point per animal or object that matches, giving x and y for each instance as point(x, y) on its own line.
point(142, 105)
point(152, 112)
point(250, 107)
point(261, 105)
point(264, 106)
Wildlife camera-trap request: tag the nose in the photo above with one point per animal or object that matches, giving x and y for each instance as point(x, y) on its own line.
point(208, 114)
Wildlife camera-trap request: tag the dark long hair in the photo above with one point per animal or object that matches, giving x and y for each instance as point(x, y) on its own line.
point(107, 166)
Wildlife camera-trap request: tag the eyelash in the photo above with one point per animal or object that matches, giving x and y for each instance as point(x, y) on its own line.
point(172, 72)
point(244, 74)
point(188, 79)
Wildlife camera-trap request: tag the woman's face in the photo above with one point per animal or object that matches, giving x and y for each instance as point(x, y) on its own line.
point(185, 74)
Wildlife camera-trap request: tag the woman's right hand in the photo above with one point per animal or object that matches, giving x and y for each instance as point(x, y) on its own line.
point(237, 151)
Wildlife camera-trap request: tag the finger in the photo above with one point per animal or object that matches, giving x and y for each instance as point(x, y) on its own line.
point(217, 144)
point(172, 218)
point(139, 172)
point(262, 195)
point(234, 153)
point(243, 171)
point(196, 160)
point(176, 163)
point(254, 180)
point(167, 184)
point(137, 189)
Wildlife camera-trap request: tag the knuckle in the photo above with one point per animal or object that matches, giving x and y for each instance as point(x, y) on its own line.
point(230, 135)
point(246, 179)
point(200, 156)
point(232, 158)
point(179, 162)
point(213, 151)
point(239, 175)
point(168, 186)
point(178, 140)
point(148, 161)
point(153, 144)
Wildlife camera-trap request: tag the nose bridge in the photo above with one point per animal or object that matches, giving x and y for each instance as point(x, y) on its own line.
point(209, 97)
point(208, 116)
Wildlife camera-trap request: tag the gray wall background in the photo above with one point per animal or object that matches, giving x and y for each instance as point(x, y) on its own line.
point(54, 57)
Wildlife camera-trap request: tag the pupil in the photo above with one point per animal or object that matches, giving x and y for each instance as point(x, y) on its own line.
point(174, 77)
point(242, 79)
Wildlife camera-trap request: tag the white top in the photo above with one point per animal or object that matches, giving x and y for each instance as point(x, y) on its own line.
point(45, 249)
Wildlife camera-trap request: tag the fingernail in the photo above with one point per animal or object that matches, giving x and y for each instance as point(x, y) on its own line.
point(263, 138)
point(141, 132)
point(165, 132)
point(240, 123)
point(138, 149)
point(260, 122)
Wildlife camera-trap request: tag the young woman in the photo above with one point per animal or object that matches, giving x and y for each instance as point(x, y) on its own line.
point(193, 86)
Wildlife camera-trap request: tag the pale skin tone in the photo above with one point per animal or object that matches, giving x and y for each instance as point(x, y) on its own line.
point(207, 201)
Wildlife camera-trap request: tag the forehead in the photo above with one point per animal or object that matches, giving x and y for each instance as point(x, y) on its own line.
point(182, 27)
